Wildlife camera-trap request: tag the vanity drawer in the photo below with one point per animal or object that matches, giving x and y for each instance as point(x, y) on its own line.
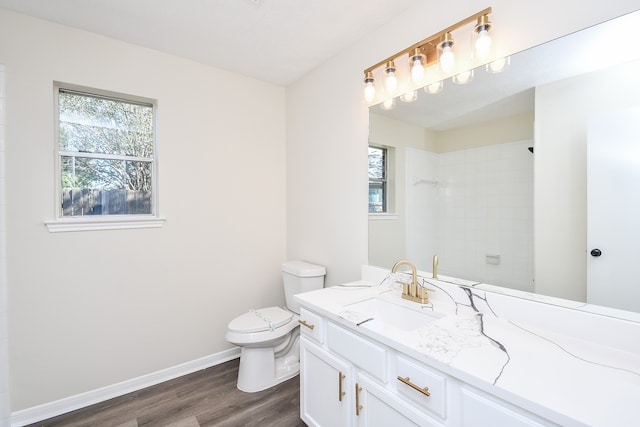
point(311, 325)
point(410, 372)
point(368, 356)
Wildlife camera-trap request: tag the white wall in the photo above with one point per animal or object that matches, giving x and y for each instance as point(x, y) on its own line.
point(90, 309)
point(563, 110)
point(5, 410)
point(327, 118)
point(326, 185)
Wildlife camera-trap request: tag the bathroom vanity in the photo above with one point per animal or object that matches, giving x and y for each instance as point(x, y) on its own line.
point(466, 358)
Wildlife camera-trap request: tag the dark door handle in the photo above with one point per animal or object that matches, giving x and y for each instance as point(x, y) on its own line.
point(596, 252)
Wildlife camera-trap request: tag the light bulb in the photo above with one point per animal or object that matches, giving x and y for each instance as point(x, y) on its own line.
point(388, 104)
point(434, 87)
point(417, 68)
point(369, 92)
point(463, 78)
point(417, 71)
point(369, 88)
point(483, 38)
point(410, 96)
point(498, 65)
point(447, 59)
point(483, 44)
point(390, 80)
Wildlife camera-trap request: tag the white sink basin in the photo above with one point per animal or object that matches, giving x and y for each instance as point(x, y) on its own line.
point(380, 314)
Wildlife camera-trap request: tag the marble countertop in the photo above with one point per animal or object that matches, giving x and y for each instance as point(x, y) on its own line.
point(565, 379)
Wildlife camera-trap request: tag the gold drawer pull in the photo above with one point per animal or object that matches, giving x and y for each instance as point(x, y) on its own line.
point(341, 393)
point(304, 323)
point(358, 405)
point(406, 381)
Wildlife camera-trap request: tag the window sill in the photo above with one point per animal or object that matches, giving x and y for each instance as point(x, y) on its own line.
point(96, 224)
point(383, 216)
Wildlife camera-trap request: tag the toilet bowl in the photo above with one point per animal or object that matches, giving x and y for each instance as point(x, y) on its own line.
point(269, 347)
point(269, 337)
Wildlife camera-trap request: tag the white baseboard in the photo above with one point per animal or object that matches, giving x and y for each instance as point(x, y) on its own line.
point(68, 404)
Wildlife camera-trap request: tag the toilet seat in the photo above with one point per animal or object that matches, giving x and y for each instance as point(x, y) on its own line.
point(261, 327)
point(262, 319)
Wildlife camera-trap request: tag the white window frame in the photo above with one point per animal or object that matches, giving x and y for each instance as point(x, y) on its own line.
point(390, 173)
point(106, 222)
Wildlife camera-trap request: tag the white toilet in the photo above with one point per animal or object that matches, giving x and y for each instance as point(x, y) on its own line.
point(269, 336)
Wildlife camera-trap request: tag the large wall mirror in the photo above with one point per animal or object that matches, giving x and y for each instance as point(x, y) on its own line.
point(502, 178)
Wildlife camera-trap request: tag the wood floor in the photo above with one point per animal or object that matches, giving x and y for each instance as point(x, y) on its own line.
point(205, 398)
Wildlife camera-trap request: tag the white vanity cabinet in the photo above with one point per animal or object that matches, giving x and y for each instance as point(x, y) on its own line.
point(344, 380)
point(349, 379)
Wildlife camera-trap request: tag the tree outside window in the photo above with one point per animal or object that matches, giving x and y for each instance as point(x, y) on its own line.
point(106, 151)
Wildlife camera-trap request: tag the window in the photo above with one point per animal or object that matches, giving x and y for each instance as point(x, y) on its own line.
point(378, 193)
point(106, 156)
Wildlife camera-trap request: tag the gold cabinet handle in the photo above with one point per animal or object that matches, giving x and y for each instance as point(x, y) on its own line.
point(358, 406)
point(341, 393)
point(304, 323)
point(406, 381)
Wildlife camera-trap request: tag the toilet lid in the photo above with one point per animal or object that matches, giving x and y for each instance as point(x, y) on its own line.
point(261, 319)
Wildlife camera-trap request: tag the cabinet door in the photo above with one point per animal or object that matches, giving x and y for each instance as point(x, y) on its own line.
point(378, 407)
point(326, 388)
point(480, 410)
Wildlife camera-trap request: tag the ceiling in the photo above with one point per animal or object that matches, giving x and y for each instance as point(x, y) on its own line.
point(276, 41)
point(279, 41)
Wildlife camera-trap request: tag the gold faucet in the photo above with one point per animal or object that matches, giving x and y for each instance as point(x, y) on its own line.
point(411, 291)
point(435, 266)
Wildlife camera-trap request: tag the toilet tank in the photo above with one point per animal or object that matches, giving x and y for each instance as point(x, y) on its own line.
point(298, 277)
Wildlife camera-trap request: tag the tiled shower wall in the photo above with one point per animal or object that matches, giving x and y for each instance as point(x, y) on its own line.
point(483, 229)
point(422, 206)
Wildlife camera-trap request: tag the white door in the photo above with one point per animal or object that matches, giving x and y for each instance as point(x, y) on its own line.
point(613, 214)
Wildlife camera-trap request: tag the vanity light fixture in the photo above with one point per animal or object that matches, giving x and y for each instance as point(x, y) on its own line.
point(426, 63)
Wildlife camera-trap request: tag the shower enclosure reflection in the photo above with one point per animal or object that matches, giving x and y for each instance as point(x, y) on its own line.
point(471, 202)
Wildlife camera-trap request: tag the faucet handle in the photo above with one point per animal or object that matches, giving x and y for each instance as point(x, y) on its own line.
point(422, 292)
point(405, 287)
point(422, 284)
point(428, 289)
